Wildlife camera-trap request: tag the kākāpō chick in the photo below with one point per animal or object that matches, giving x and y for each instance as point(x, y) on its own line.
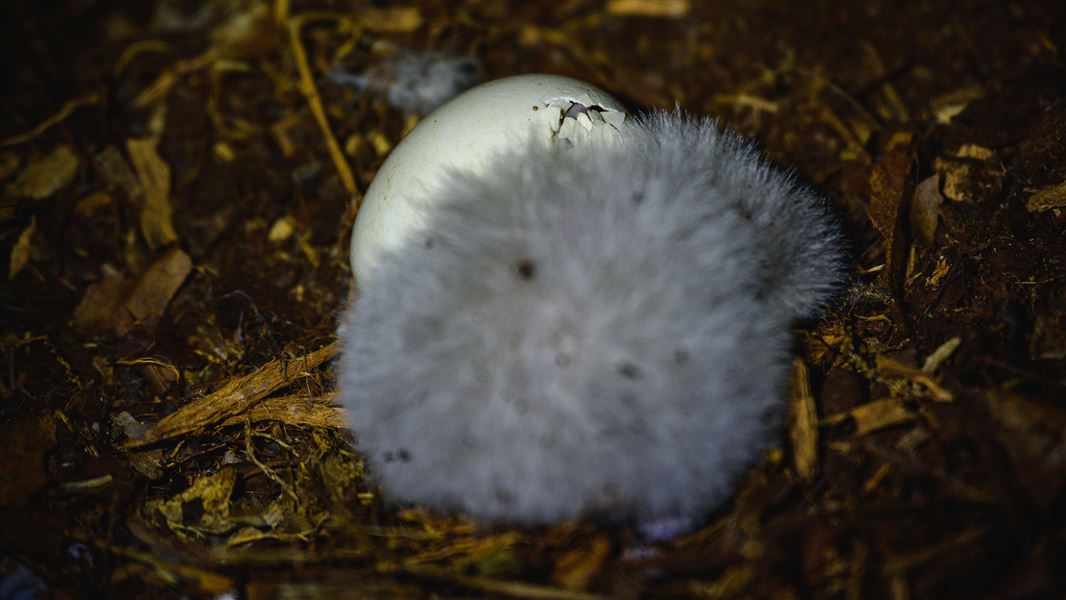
point(596, 331)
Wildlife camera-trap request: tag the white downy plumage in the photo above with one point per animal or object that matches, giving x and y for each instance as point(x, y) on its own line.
point(593, 331)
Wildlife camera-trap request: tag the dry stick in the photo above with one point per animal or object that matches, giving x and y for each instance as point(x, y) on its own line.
point(158, 89)
point(236, 396)
point(68, 109)
point(803, 421)
point(314, 100)
point(872, 120)
point(297, 409)
point(153, 362)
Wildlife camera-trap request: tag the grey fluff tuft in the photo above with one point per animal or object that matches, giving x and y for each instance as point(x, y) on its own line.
point(415, 82)
point(597, 330)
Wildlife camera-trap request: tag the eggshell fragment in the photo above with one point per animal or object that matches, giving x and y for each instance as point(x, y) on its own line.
point(467, 134)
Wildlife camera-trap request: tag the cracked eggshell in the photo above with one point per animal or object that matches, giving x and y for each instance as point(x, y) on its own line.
point(467, 134)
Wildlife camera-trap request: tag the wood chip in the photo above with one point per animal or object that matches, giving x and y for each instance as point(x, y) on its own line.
point(235, 397)
point(281, 230)
point(803, 422)
point(874, 416)
point(45, 175)
point(672, 9)
point(942, 353)
point(893, 368)
point(295, 410)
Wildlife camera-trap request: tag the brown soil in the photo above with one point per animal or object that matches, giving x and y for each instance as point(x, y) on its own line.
point(177, 222)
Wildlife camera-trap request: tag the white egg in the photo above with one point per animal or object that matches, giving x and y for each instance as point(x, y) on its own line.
point(465, 135)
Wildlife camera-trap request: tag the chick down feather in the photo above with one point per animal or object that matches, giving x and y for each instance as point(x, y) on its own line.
point(602, 330)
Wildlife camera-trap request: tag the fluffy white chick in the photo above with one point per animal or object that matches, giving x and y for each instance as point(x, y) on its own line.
point(603, 331)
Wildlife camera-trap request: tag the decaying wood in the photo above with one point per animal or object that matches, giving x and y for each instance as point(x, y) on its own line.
point(235, 396)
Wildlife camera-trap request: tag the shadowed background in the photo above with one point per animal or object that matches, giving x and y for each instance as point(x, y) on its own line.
point(179, 180)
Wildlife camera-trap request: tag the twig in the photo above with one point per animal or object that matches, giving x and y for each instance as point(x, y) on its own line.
point(235, 397)
point(314, 101)
point(68, 109)
point(838, 90)
point(250, 451)
point(803, 421)
point(304, 410)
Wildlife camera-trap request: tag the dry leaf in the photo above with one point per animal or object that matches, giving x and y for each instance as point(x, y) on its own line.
point(153, 291)
point(952, 103)
point(20, 254)
point(969, 175)
point(129, 425)
point(116, 305)
point(940, 271)
point(577, 568)
point(975, 152)
point(956, 179)
point(1048, 198)
point(154, 175)
point(212, 493)
point(90, 204)
point(46, 175)
point(890, 186)
point(95, 314)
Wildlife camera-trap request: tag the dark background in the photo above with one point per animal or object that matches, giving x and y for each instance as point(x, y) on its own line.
point(936, 463)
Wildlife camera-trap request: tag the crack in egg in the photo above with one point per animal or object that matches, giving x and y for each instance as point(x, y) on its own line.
point(570, 117)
